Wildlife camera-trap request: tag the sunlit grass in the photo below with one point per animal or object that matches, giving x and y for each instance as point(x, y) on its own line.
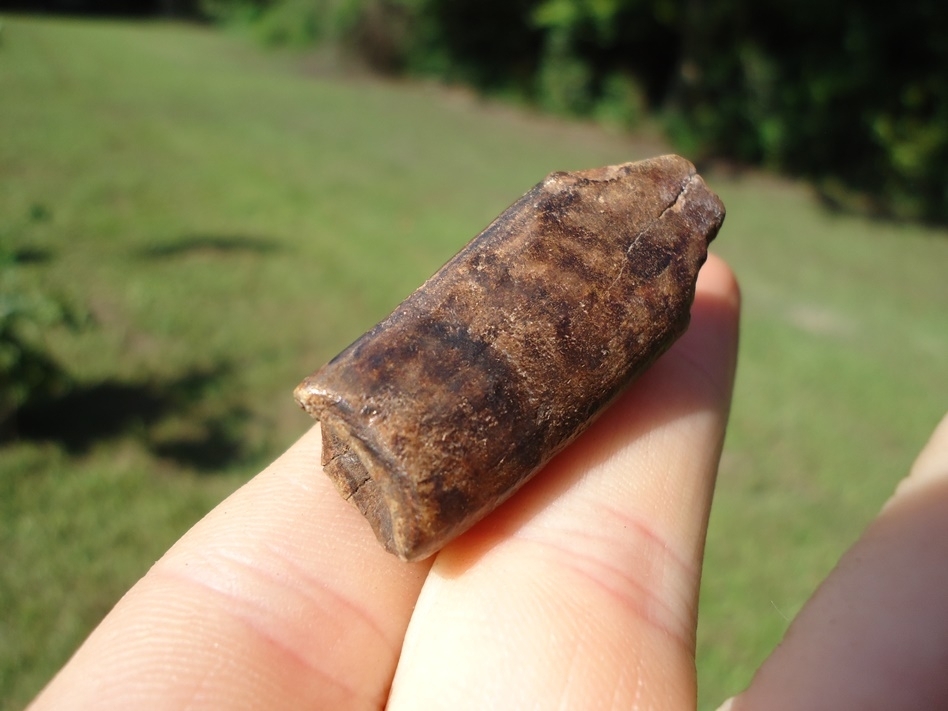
point(232, 220)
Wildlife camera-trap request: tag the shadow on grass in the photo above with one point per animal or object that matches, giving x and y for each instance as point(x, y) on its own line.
point(31, 255)
point(220, 244)
point(175, 419)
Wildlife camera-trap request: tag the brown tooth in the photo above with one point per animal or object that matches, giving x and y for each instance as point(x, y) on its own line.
point(445, 408)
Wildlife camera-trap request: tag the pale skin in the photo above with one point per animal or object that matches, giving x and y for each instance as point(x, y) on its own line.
point(579, 593)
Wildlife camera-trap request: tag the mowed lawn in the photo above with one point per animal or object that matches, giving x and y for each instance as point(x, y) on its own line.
point(231, 219)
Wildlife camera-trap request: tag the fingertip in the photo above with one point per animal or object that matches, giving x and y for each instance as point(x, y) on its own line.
point(709, 347)
point(933, 460)
point(930, 467)
point(718, 281)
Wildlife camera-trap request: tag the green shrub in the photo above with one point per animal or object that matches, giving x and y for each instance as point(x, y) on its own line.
point(375, 30)
point(234, 12)
point(622, 102)
point(564, 81)
point(27, 370)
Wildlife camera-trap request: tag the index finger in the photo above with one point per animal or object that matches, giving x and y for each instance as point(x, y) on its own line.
point(279, 598)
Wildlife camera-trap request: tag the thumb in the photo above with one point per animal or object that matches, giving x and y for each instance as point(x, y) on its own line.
point(875, 634)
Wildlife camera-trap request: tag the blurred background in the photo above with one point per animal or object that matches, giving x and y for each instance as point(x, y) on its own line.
point(201, 201)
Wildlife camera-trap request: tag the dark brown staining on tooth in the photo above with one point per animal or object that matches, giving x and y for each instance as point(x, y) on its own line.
point(445, 408)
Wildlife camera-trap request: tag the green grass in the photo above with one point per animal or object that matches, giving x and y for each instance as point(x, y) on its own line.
point(231, 220)
point(842, 375)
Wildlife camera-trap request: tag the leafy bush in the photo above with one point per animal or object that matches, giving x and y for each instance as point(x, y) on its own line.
point(622, 101)
point(855, 100)
point(27, 370)
point(564, 81)
point(375, 30)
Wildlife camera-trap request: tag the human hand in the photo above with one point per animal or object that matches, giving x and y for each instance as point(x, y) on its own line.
point(580, 592)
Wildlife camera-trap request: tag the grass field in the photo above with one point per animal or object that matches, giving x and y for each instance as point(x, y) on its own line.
point(231, 219)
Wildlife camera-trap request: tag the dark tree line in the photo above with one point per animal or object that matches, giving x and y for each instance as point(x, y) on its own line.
point(108, 8)
point(849, 94)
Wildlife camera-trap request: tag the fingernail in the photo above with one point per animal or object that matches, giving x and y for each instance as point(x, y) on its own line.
point(727, 705)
